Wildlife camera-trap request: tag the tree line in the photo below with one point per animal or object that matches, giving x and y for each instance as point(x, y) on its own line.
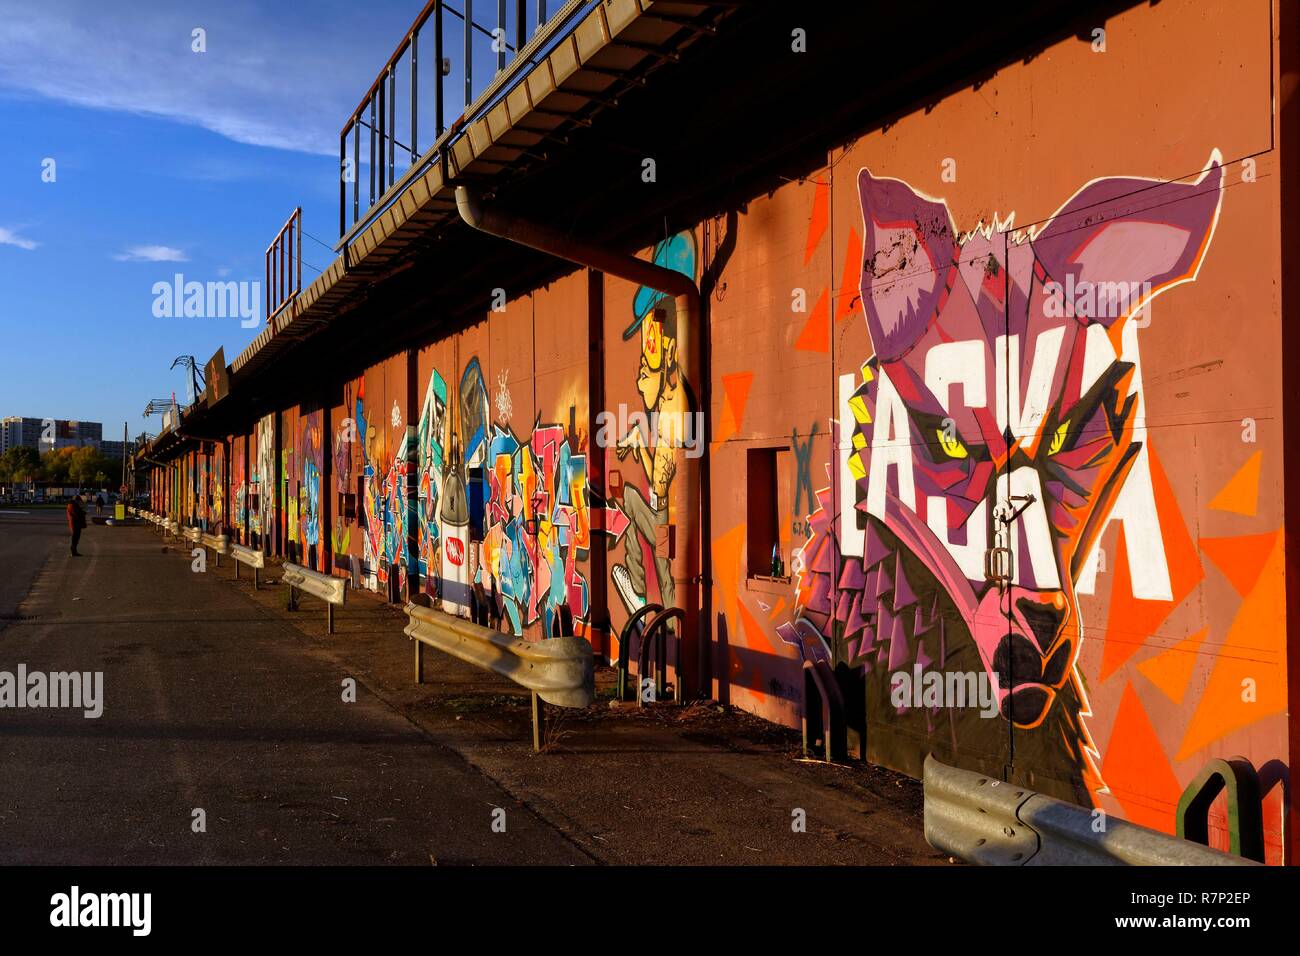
point(83, 467)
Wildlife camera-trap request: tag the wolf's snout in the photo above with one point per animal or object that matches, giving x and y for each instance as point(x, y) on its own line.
point(1016, 661)
point(1044, 620)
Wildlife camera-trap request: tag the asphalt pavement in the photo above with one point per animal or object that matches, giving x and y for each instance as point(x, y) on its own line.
point(237, 731)
point(225, 737)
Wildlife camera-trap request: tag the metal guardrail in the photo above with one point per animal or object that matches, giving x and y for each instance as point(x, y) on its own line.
point(993, 823)
point(219, 544)
point(556, 670)
point(333, 591)
point(254, 559)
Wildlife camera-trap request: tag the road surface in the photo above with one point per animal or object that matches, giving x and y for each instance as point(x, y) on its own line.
point(225, 736)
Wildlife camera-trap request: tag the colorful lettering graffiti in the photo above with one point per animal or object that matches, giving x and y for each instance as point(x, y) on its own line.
point(383, 518)
point(310, 453)
point(239, 488)
point(538, 526)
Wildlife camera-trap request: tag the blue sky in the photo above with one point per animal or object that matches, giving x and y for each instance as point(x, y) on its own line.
point(167, 161)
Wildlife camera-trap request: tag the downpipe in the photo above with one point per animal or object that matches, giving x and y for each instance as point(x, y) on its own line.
point(685, 498)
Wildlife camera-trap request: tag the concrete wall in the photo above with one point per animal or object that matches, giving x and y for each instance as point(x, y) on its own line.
point(897, 333)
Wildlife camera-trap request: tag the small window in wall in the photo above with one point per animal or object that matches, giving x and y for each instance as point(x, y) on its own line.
point(764, 467)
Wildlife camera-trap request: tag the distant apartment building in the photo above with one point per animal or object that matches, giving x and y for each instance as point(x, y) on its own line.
point(45, 434)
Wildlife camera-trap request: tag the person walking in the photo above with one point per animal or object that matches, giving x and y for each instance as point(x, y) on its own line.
point(99, 504)
point(76, 521)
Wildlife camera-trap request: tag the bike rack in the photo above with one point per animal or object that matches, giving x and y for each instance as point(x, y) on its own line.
point(634, 626)
point(657, 629)
point(1237, 777)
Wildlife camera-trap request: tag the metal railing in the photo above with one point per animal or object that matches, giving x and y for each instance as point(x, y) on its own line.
point(333, 591)
point(254, 559)
point(555, 670)
point(284, 266)
point(986, 821)
point(411, 96)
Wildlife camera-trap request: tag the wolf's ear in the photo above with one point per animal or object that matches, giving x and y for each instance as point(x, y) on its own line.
point(908, 251)
point(1120, 230)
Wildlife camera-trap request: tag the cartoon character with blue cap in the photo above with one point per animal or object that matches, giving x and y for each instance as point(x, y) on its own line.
point(663, 392)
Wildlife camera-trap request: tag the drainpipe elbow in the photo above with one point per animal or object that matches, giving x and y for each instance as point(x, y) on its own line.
point(469, 207)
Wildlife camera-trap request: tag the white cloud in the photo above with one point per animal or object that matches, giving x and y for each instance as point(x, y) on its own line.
point(152, 254)
point(268, 77)
point(9, 238)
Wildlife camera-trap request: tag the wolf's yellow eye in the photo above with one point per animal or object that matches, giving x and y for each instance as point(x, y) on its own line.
point(952, 447)
point(1058, 438)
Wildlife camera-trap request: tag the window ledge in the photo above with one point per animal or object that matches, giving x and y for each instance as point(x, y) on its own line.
point(768, 584)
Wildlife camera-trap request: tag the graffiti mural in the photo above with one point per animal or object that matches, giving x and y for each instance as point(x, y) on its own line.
point(263, 479)
point(430, 459)
point(218, 502)
point(383, 506)
point(642, 575)
point(310, 453)
point(1000, 414)
point(539, 526)
point(345, 440)
point(239, 490)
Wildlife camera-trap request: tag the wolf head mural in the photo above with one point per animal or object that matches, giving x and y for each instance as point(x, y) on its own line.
point(997, 412)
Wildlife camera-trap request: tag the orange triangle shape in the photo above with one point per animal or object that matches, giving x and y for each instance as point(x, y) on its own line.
point(821, 218)
point(755, 637)
point(735, 389)
point(726, 426)
point(1136, 770)
point(816, 334)
point(1241, 494)
point(1249, 681)
point(1171, 670)
point(847, 300)
point(726, 571)
point(1240, 558)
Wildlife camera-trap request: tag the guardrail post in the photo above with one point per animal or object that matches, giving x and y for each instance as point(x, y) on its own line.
point(419, 662)
point(538, 715)
point(329, 618)
point(254, 579)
